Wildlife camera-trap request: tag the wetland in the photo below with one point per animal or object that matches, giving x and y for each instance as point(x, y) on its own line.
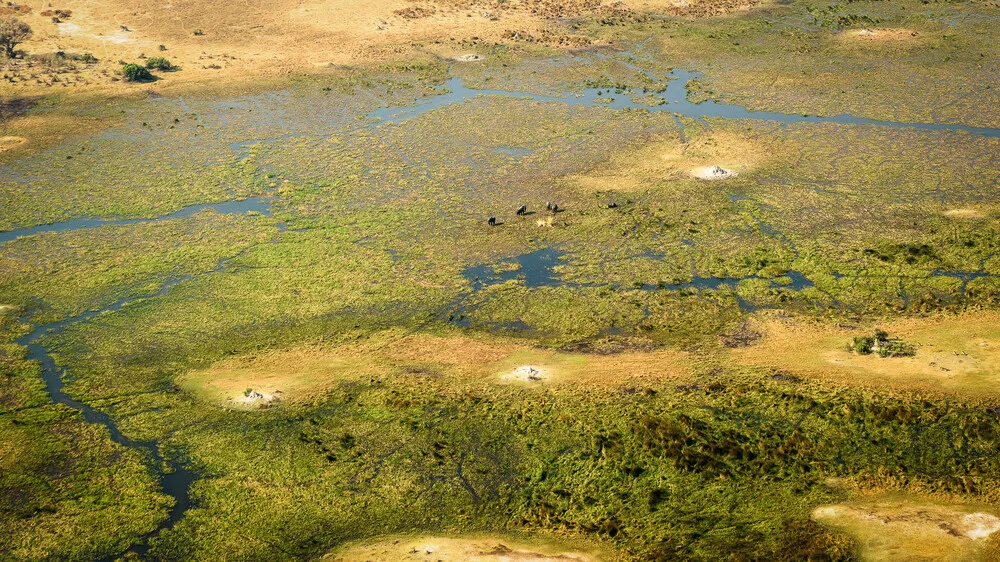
point(257, 312)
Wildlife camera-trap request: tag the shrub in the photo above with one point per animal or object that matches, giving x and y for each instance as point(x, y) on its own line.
point(895, 349)
point(136, 73)
point(163, 47)
point(158, 63)
point(863, 344)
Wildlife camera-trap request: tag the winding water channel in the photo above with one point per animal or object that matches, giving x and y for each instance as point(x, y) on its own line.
point(536, 268)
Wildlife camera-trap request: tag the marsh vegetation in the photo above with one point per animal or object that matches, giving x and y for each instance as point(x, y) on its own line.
point(270, 320)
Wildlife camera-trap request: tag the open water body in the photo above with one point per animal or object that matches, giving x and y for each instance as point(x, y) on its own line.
point(535, 268)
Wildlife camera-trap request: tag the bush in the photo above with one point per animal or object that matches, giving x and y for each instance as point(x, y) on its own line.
point(158, 63)
point(136, 73)
point(863, 344)
point(895, 349)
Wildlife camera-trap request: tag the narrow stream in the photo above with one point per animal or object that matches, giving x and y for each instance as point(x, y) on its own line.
point(672, 100)
point(177, 480)
point(253, 204)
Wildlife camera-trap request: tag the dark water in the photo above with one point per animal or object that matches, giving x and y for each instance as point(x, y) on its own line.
point(253, 204)
point(537, 269)
point(177, 481)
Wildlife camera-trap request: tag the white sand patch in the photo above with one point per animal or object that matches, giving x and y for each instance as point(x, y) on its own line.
point(5, 308)
point(713, 173)
point(980, 525)
point(118, 37)
point(527, 373)
point(67, 28)
point(254, 397)
point(471, 57)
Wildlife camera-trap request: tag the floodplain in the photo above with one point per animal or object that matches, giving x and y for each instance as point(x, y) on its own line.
point(253, 309)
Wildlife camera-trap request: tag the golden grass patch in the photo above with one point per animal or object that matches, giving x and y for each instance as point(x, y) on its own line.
point(957, 354)
point(902, 527)
point(297, 374)
point(880, 34)
point(9, 142)
point(591, 370)
point(302, 374)
point(669, 158)
point(478, 549)
point(964, 213)
point(214, 42)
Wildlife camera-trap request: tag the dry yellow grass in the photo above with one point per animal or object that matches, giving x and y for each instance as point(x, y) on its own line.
point(880, 34)
point(301, 374)
point(965, 213)
point(9, 142)
point(955, 354)
point(669, 158)
point(902, 527)
point(444, 549)
point(256, 38)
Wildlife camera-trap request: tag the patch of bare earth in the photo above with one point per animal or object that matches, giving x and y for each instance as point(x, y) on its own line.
point(898, 527)
point(487, 549)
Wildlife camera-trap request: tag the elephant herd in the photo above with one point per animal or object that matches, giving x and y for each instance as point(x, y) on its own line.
point(523, 210)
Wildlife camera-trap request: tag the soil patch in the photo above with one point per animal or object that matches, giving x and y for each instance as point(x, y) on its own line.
point(713, 173)
point(953, 353)
point(486, 549)
point(897, 527)
point(882, 34)
point(644, 167)
point(9, 142)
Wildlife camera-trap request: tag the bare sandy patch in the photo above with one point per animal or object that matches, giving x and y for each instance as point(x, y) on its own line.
point(292, 375)
point(303, 374)
point(650, 165)
point(696, 8)
point(953, 353)
point(540, 366)
point(468, 58)
point(9, 142)
point(713, 173)
point(6, 309)
point(881, 34)
point(444, 549)
point(214, 41)
point(899, 527)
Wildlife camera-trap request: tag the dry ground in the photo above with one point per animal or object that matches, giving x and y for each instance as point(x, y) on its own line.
point(954, 353)
point(901, 527)
point(669, 158)
point(302, 374)
point(443, 549)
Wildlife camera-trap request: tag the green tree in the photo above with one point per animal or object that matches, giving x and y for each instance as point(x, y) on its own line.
point(13, 32)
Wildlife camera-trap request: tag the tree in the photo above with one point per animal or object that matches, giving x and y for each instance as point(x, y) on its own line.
point(12, 32)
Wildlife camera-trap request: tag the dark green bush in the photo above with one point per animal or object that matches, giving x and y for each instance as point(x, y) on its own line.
point(136, 73)
point(863, 344)
point(158, 63)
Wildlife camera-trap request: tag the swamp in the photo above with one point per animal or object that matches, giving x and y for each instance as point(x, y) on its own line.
point(493, 280)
